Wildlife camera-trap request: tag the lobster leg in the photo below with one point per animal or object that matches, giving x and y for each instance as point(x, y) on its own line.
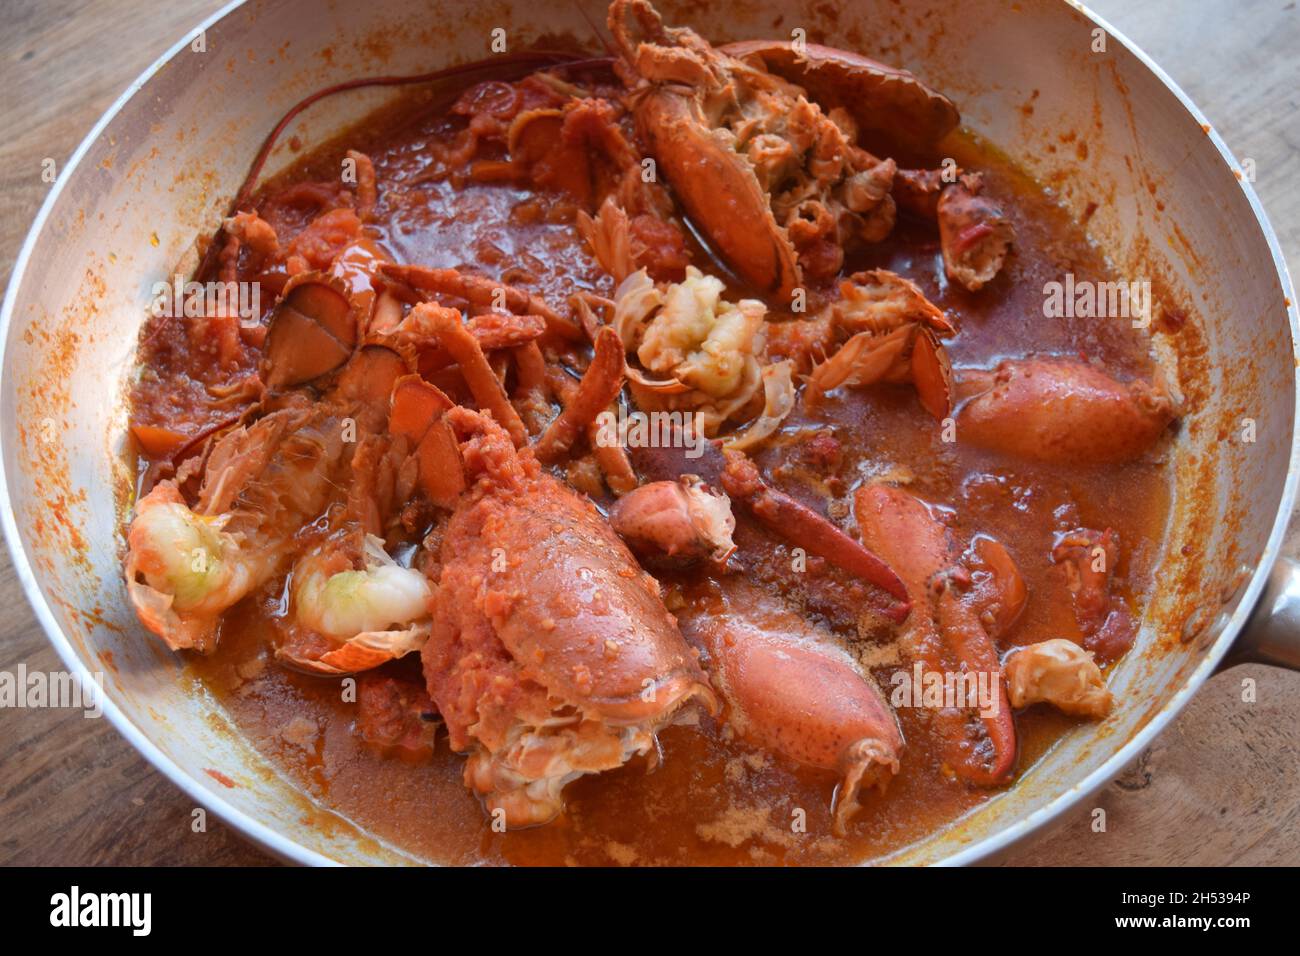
point(991, 763)
point(801, 525)
point(598, 388)
point(484, 293)
point(948, 630)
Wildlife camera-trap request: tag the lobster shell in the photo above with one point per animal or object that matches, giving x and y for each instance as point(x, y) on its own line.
point(717, 188)
point(883, 100)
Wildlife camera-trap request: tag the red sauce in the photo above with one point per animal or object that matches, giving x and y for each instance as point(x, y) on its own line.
point(712, 799)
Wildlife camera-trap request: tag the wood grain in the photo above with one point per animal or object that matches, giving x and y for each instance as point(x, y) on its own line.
point(72, 791)
point(1218, 787)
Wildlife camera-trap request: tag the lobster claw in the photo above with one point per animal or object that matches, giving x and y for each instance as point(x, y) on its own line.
point(767, 168)
point(1063, 411)
point(950, 631)
point(759, 141)
point(718, 190)
point(884, 100)
point(790, 688)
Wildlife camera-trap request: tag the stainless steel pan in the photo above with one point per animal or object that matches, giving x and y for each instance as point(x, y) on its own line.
point(159, 168)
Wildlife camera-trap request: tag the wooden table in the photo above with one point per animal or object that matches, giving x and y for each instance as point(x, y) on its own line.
point(1220, 786)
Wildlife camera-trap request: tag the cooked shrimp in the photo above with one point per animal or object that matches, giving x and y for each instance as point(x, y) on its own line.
point(192, 570)
point(367, 615)
point(345, 603)
point(700, 338)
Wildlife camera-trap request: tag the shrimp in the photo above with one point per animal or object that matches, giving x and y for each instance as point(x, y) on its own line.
point(261, 483)
point(700, 338)
point(705, 350)
point(192, 570)
point(366, 615)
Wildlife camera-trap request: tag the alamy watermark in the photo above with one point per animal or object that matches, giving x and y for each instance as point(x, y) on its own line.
point(1085, 299)
point(195, 300)
point(37, 689)
point(651, 430)
point(946, 690)
point(74, 908)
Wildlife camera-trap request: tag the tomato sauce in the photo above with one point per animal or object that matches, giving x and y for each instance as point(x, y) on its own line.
point(711, 799)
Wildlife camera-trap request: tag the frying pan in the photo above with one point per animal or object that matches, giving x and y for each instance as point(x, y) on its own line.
point(1157, 186)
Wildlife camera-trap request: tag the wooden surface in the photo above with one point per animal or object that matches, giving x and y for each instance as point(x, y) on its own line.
point(1220, 786)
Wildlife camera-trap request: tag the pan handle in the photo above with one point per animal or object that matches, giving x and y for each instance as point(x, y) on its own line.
point(1272, 632)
